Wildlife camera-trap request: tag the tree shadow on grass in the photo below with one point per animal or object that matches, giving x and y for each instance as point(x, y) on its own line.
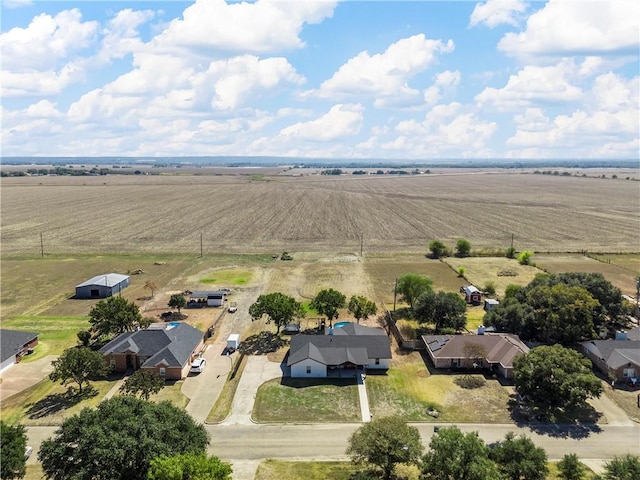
point(57, 402)
point(576, 424)
point(315, 382)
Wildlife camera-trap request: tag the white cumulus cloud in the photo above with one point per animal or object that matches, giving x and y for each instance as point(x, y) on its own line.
point(385, 75)
point(577, 27)
point(497, 12)
point(340, 122)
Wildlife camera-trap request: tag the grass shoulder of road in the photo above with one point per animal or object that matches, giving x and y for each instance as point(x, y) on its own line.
point(56, 333)
point(271, 469)
point(222, 408)
point(627, 400)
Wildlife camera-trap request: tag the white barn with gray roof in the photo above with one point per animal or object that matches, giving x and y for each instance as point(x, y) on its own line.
point(102, 286)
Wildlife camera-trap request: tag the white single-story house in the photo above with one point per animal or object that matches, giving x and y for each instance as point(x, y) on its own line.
point(102, 286)
point(13, 345)
point(350, 347)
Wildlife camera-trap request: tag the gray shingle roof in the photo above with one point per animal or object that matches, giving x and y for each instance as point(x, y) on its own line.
point(172, 347)
point(617, 353)
point(356, 329)
point(338, 349)
point(12, 341)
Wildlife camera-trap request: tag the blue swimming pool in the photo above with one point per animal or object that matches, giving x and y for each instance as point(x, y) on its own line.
point(340, 324)
point(172, 324)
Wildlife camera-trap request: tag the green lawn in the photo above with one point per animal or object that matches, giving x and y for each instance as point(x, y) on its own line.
point(278, 469)
point(307, 400)
point(48, 403)
point(410, 389)
point(228, 277)
point(56, 333)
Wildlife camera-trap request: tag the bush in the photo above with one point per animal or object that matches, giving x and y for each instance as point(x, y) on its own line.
point(408, 329)
point(470, 381)
point(511, 252)
point(490, 288)
point(525, 257)
point(461, 271)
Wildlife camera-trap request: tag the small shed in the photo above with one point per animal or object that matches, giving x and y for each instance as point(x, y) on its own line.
point(102, 286)
point(472, 295)
point(213, 298)
point(490, 303)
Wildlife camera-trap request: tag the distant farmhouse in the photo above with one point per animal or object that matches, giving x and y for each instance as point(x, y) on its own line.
point(340, 353)
point(102, 286)
point(13, 345)
point(494, 352)
point(167, 351)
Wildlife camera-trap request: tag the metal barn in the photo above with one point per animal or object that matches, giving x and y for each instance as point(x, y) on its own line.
point(102, 286)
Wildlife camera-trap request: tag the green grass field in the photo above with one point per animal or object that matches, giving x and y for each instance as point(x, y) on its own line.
point(56, 333)
point(307, 400)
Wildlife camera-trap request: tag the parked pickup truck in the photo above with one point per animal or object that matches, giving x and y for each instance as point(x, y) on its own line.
point(233, 307)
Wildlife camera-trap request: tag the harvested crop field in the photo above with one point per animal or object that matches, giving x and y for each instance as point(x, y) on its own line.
point(316, 213)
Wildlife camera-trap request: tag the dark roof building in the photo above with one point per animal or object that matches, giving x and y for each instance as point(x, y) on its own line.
point(351, 346)
point(619, 359)
point(13, 345)
point(170, 350)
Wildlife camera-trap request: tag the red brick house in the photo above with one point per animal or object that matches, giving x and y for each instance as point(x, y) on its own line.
point(167, 352)
point(14, 344)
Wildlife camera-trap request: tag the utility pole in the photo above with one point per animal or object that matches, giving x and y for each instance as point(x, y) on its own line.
point(512, 242)
point(41, 246)
point(361, 243)
point(201, 245)
point(395, 291)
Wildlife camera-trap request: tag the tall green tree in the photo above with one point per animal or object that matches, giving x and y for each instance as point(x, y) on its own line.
point(118, 439)
point(189, 466)
point(143, 382)
point(384, 443)
point(178, 301)
point(463, 248)
point(570, 468)
point(555, 378)
point(438, 249)
point(562, 313)
point(281, 309)
point(512, 316)
point(518, 458)
point(328, 302)
point(412, 285)
point(460, 456)
point(114, 316)
point(78, 365)
point(13, 441)
point(625, 467)
point(361, 307)
point(442, 309)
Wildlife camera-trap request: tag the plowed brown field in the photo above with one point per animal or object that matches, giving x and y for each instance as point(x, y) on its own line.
point(317, 213)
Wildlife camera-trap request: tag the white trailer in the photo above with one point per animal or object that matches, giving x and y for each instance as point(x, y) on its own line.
point(233, 341)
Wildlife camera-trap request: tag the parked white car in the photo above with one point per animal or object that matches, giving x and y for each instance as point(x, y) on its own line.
point(233, 307)
point(197, 366)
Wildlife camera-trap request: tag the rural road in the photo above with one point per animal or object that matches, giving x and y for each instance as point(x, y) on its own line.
point(328, 441)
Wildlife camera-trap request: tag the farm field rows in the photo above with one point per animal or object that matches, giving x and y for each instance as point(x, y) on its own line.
point(169, 214)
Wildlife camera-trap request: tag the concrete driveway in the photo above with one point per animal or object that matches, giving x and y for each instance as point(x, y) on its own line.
point(24, 375)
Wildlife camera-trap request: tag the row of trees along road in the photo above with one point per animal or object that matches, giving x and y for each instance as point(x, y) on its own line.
point(379, 446)
point(438, 249)
point(282, 309)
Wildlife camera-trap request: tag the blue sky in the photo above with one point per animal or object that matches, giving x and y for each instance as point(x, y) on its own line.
point(416, 80)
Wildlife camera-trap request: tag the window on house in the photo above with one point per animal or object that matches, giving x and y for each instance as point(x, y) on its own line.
point(163, 372)
point(629, 372)
point(377, 361)
point(112, 363)
point(308, 370)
